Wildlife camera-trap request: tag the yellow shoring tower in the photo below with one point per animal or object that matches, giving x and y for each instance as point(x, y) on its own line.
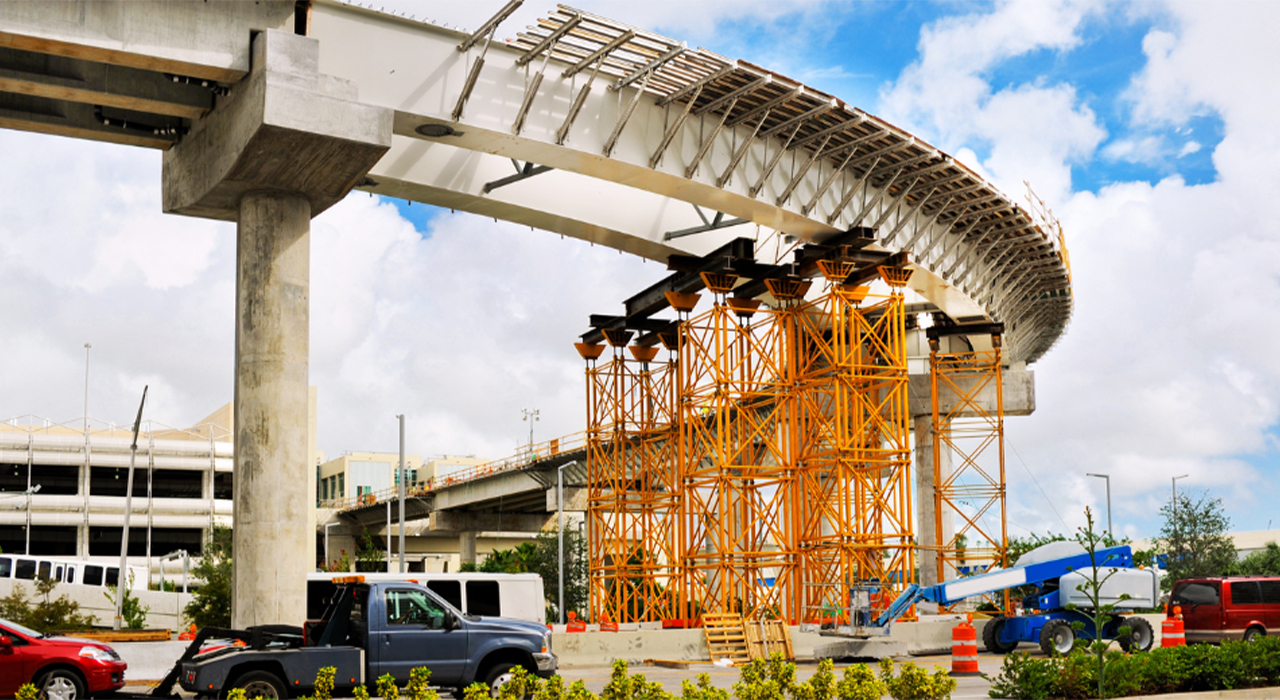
point(975, 436)
point(631, 506)
point(855, 464)
point(735, 459)
point(764, 470)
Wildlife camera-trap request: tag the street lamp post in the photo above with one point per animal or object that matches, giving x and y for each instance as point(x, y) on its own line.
point(530, 415)
point(87, 347)
point(400, 417)
point(1174, 482)
point(1108, 478)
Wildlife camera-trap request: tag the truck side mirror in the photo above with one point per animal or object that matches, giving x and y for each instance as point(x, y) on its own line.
point(451, 622)
point(6, 644)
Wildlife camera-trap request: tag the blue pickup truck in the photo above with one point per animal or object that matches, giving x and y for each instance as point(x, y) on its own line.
point(369, 629)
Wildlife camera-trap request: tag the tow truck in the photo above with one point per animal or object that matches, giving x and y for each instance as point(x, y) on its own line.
point(1059, 572)
point(368, 629)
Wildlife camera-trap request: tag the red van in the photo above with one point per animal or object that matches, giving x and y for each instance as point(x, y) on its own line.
point(1214, 609)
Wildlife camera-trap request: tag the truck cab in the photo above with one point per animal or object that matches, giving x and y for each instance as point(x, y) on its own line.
point(368, 630)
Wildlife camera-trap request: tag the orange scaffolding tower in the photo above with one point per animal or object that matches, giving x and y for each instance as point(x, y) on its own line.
point(632, 511)
point(855, 463)
point(973, 493)
point(775, 477)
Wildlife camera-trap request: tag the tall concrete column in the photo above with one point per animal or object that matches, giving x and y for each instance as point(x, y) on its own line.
point(467, 547)
point(271, 397)
point(926, 500)
point(286, 143)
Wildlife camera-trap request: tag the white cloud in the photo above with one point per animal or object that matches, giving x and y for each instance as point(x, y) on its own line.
point(1034, 131)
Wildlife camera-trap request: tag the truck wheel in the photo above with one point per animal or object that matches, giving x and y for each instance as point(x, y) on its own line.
point(991, 637)
point(498, 677)
point(1140, 635)
point(1253, 633)
point(261, 684)
point(61, 684)
point(1057, 638)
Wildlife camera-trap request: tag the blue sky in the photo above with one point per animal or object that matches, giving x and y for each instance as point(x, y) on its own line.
point(1149, 128)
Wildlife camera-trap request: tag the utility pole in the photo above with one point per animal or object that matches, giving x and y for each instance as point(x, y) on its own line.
point(122, 581)
point(530, 415)
point(1108, 478)
point(402, 491)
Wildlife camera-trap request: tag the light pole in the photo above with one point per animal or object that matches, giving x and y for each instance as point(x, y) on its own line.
point(122, 581)
point(1108, 478)
point(402, 491)
point(1174, 481)
point(530, 415)
point(86, 387)
point(560, 523)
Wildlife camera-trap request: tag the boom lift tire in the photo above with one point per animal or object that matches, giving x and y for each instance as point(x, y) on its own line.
point(1140, 637)
point(991, 637)
point(261, 684)
point(1057, 638)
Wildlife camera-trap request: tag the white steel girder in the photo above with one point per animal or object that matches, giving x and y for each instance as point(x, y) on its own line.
point(633, 157)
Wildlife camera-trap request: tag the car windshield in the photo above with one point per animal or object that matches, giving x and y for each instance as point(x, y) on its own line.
point(26, 631)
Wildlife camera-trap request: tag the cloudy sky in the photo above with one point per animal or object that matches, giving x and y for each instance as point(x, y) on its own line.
point(1150, 128)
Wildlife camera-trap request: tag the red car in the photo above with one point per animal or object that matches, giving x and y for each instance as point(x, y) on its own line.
point(62, 668)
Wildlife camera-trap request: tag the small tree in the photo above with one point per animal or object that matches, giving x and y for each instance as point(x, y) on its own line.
point(211, 603)
point(575, 568)
point(1092, 588)
point(1194, 539)
point(368, 556)
point(133, 613)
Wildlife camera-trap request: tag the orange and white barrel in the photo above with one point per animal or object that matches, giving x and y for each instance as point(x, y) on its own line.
point(1172, 633)
point(964, 650)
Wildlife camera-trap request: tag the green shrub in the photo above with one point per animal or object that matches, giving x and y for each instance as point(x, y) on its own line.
point(324, 683)
point(236, 694)
point(702, 689)
point(859, 683)
point(27, 692)
point(622, 686)
point(476, 691)
point(914, 683)
point(359, 692)
point(1024, 678)
point(387, 688)
point(419, 687)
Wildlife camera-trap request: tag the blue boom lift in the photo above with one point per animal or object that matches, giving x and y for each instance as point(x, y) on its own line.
point(1059, 571)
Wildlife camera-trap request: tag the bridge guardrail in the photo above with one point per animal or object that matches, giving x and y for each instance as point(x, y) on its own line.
point(528, 456)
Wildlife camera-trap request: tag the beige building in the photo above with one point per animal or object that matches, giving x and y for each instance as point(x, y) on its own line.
point(63, 487)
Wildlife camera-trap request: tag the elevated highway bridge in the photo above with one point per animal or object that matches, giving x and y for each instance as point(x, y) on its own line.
point(270, 112)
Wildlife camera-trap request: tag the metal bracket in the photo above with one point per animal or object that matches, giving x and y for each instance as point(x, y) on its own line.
point(523, 172)
point(717, 222)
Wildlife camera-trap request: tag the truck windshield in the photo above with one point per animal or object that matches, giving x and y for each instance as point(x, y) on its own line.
point(412, 607)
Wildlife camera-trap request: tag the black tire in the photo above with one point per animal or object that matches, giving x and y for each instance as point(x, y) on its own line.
point(991, 637)
point(1253, 633)
point(1140, 637)
point(61, 684)
point(1057, 638)
point(498, 676)
point(261, 684)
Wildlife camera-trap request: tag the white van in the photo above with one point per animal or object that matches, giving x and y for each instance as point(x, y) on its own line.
point(518, 596)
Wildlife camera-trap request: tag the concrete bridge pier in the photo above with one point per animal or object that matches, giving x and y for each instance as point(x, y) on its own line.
point(286, 144)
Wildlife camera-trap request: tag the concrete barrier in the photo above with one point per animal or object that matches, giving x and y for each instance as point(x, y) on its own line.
point(165, 608)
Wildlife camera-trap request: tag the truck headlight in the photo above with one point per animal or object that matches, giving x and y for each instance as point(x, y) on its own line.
point(95, 653)
point(546, 641)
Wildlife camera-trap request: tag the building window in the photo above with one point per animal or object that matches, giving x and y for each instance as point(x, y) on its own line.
point(105, 541)
point(175, 483)
point(224, 485)
point(53, 480)
point(342, 486)
point(46, 540)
